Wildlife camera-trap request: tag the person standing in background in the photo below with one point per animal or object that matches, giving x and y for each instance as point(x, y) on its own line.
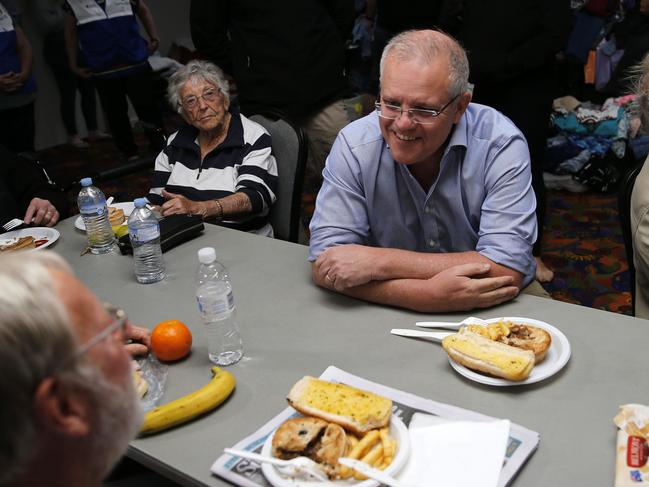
point(106, 34)
point(288, 56)
point(50, 20)
point(17, 85)
point(512, 48)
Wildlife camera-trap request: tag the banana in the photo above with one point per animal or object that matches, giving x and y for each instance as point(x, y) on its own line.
point(188, 407)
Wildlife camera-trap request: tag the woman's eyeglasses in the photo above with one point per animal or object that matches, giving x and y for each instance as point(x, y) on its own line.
point(191, 102)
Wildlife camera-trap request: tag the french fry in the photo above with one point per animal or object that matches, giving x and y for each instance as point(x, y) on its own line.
point(389, 450)
point(360, 448)
point(365, 444)
point(388, 445)
point(343, 471)
point(372, 456)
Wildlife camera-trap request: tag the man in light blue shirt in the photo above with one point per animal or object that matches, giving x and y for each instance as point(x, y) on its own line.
point(427, 203)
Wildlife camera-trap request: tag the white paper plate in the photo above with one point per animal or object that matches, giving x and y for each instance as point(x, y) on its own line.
point(127, 207)
point(398, 431)
point(39, 233)
point(555, 359)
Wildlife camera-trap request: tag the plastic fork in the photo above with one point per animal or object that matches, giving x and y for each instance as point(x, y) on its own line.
point(471, 320)
point(371, 472)
point(291, 468)
point(11, 224)
point(437, 336)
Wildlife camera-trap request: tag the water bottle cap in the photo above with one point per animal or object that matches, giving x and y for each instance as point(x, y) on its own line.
point(206, 255)
point(86, 182)
point(140, 202)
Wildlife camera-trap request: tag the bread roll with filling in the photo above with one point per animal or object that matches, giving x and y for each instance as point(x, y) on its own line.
point(484, 355)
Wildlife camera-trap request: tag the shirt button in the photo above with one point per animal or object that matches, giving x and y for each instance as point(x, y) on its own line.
point(432, 243)
point(428, 209)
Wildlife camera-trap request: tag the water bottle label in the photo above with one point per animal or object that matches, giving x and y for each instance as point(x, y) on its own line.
point(145, 234)
point(217, 306)
point(97, 209)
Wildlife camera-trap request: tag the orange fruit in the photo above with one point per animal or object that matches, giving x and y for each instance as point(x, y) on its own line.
point(171, 340)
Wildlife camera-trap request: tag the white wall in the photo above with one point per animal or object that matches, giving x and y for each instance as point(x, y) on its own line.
point(172, 21)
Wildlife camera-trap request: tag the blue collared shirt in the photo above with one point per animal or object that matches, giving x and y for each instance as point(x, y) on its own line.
point(482, 199)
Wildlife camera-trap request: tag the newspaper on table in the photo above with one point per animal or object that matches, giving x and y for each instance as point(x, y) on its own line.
point(522, 441)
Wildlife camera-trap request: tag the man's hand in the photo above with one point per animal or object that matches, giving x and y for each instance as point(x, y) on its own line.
point(462, 288)
point(140, 340)
point(177, 204)
point(347, 266)
point(41, 212)
point(11, 82)
point(84, 73)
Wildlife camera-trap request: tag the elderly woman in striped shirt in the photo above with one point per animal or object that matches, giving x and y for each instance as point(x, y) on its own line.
point(219, 164)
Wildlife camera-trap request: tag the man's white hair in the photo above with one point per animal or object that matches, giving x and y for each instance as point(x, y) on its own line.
point(427, 46)
point(35, 336)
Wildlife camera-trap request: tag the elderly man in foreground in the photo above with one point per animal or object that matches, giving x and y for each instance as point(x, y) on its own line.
point(69, 406)
point(427, 204)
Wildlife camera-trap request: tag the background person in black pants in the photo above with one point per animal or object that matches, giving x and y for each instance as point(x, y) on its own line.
point(109, 43)
point(49, 16)
point(512, 48)
point(17, 85)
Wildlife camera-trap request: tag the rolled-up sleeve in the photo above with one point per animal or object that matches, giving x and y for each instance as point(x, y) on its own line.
point(257, 175)
point(508, 226)
point(340, 215)
point(161, 173)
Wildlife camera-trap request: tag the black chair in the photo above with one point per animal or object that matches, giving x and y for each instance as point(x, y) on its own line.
point(624, 208)
point(289, 144)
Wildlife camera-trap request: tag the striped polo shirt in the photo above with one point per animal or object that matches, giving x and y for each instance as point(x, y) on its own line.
point(242, 163)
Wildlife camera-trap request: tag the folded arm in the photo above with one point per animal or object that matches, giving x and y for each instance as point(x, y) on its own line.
point(457, 288)
point(353, 265)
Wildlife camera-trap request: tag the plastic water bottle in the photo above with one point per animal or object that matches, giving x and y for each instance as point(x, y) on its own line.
point(216, 305)
point(144, 232)
point(94, 212)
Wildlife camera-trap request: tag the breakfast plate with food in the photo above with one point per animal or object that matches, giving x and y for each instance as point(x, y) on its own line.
point(508, 351)
point(334, 421)
point(118, 214)
point(28, 239)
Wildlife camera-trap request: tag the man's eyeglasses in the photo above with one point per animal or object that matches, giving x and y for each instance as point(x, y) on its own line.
point(209, 95)
point(417, 115)
point(117, 328)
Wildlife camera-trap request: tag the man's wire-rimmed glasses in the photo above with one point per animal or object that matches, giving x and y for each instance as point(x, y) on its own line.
point(117, 327)
point(417, 115)
point(210, 95)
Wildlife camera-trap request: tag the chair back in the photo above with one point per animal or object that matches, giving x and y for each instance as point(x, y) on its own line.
point(289, 144)
point(624, 208)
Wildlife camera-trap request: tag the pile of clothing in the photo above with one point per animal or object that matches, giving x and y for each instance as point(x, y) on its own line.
point(588, 137)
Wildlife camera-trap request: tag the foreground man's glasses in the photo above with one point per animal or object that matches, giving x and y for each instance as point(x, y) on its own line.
point(418, 115)
point(116, 328)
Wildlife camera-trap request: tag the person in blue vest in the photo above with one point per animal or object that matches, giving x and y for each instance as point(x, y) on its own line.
point(106, 34)
point(17, 86)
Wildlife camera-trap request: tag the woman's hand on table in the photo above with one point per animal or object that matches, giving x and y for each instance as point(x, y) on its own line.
point(140, 340)
point(177, 204)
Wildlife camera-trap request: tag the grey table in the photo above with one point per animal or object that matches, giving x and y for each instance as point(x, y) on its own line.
point(292, 328)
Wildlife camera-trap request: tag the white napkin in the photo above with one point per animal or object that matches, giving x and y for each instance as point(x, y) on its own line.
point(455, 453)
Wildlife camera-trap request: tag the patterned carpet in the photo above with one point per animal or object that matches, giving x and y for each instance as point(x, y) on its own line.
point(582, 243)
